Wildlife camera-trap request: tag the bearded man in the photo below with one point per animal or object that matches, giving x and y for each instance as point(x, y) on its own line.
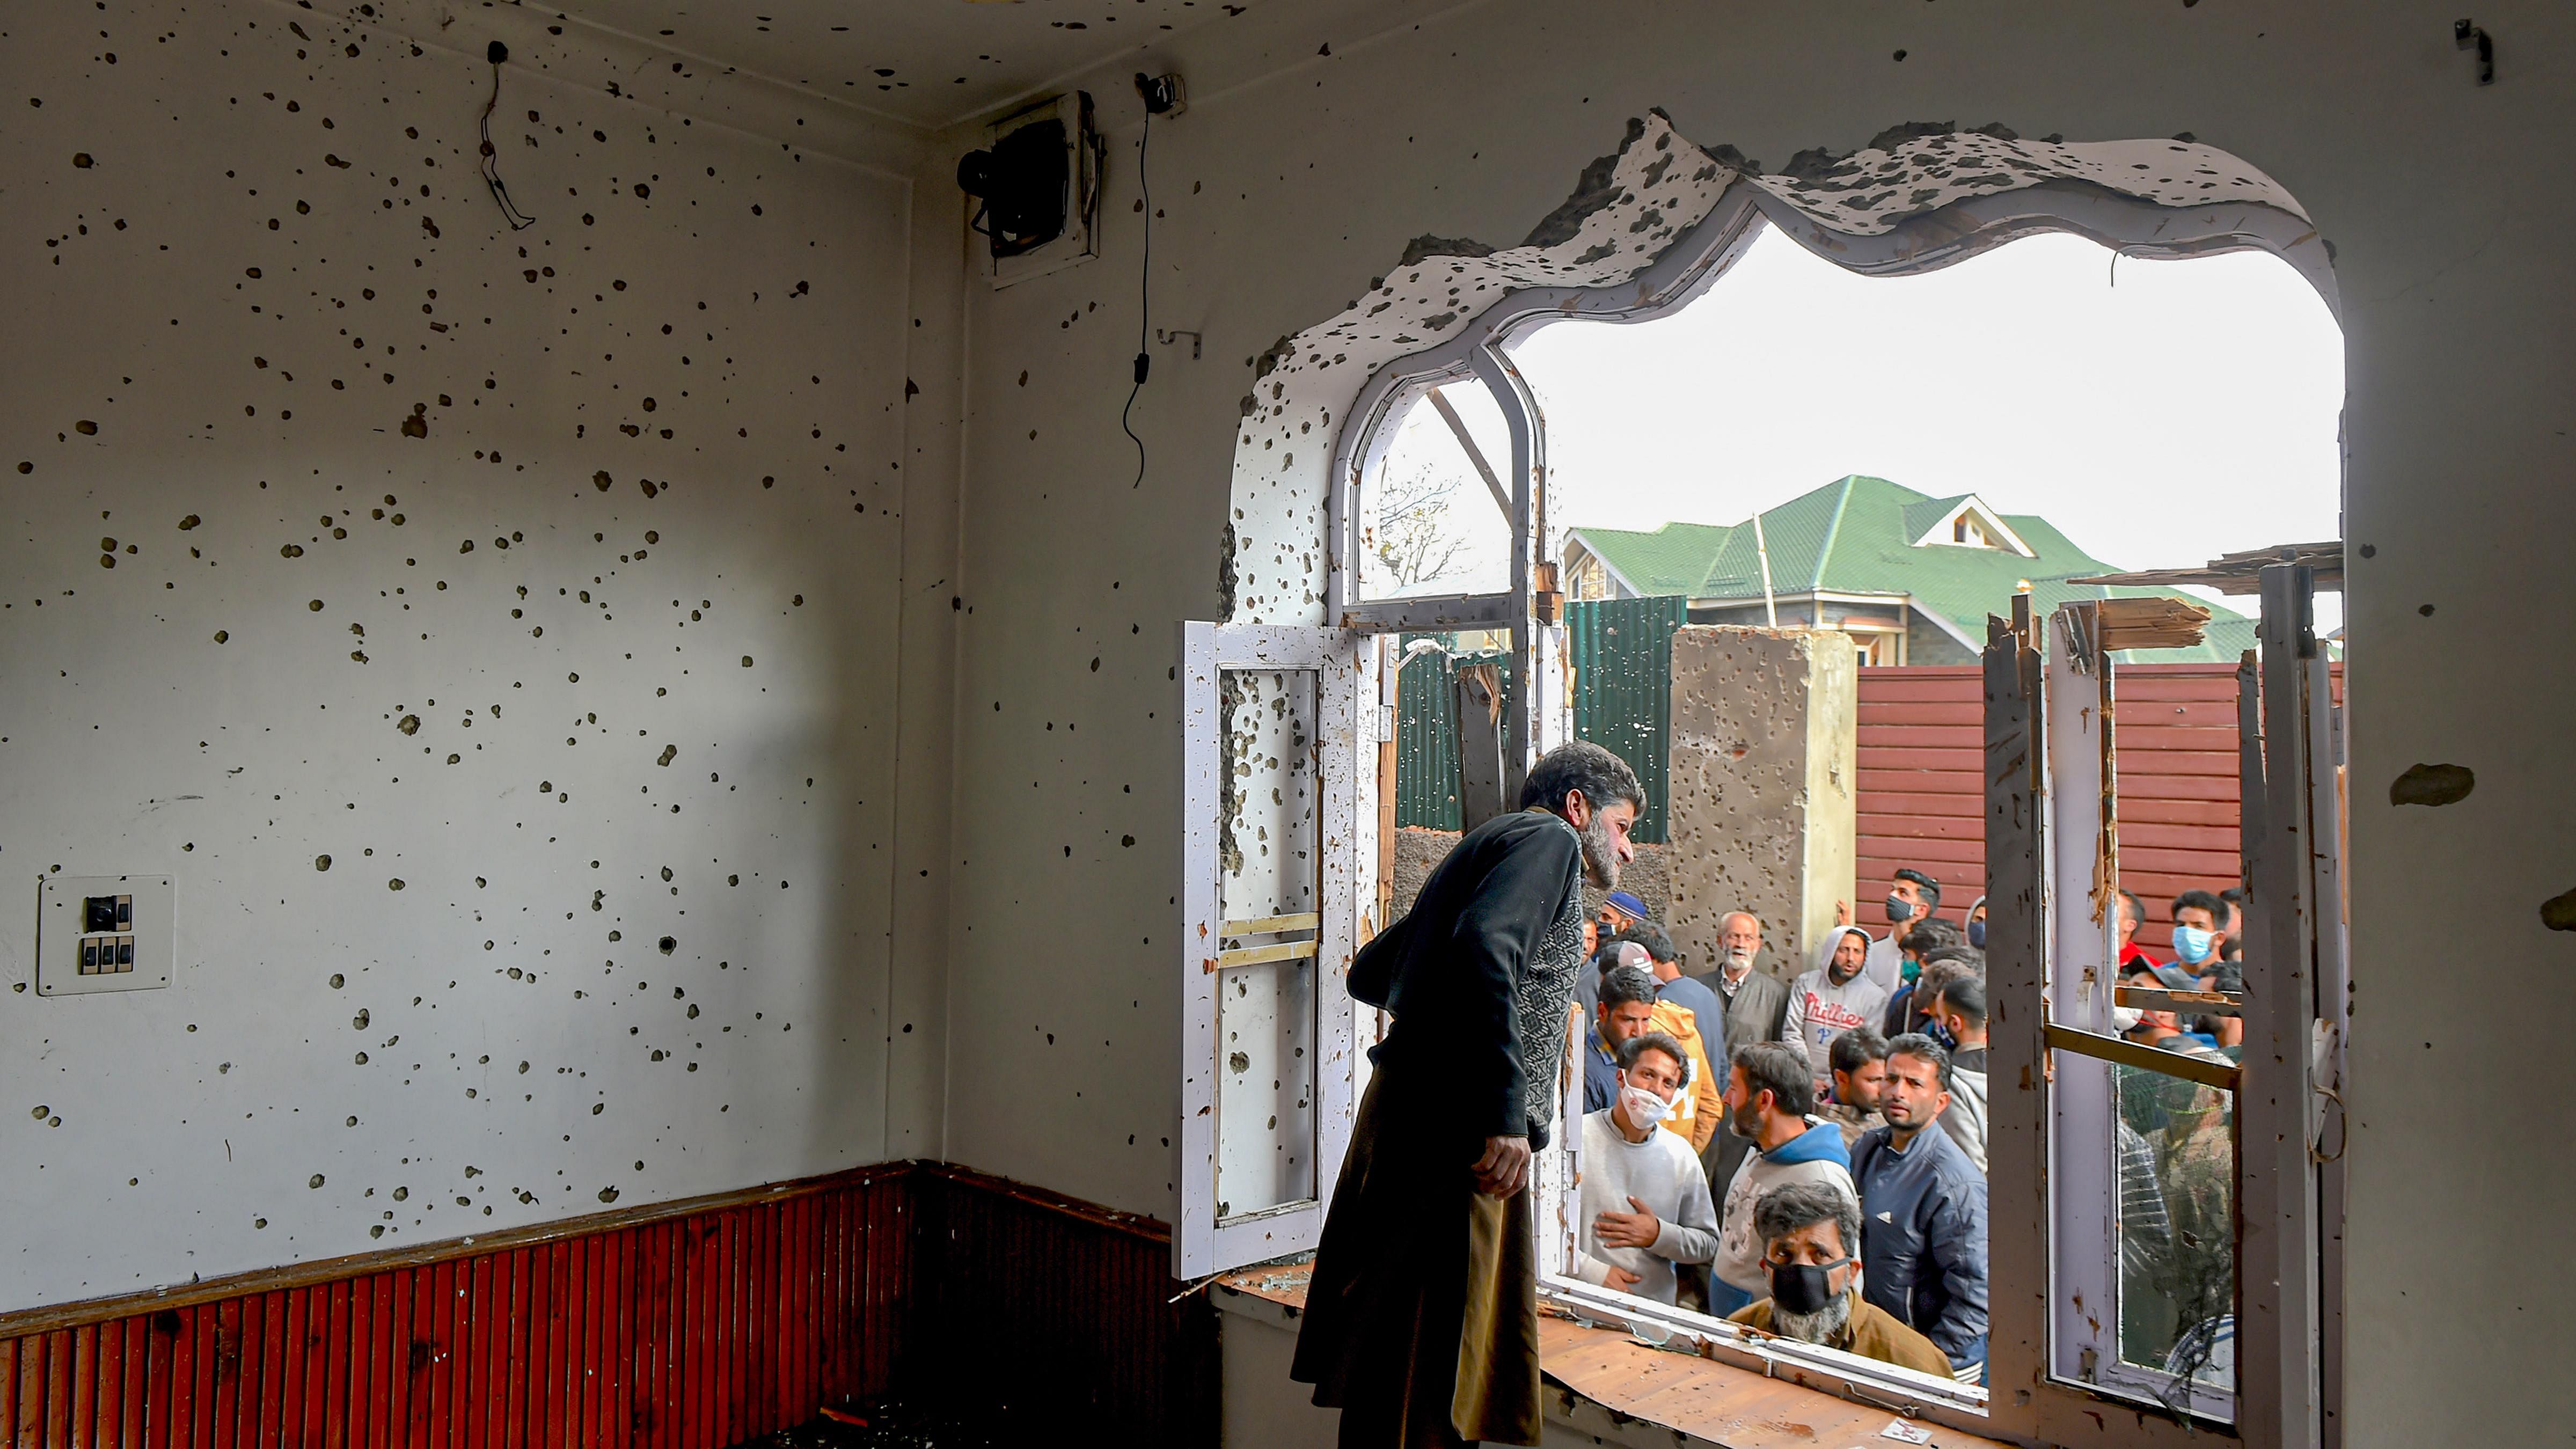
point(1422, 1315)
point(1807, 1232)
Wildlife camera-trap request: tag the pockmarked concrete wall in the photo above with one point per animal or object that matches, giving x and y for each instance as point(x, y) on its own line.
point(1321, 142)
point(1763, 785)
point(493, 632)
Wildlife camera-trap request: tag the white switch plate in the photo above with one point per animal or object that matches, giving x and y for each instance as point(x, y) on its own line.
point(59, 932)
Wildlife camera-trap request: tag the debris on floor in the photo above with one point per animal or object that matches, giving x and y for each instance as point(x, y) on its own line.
point(890, 1423)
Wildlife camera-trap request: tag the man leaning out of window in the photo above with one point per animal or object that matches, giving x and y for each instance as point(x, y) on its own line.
point(1645, 1203)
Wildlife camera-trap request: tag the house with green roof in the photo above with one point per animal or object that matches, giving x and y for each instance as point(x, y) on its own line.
point(1910, 577)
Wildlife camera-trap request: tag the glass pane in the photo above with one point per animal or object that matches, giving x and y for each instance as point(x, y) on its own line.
point(1265, 1099)
point(2177, 1227)
point(1429, 525)
point(1269, 890)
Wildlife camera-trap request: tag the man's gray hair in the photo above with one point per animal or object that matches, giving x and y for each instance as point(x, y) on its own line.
point(1724, 920)
point(1784, 1210)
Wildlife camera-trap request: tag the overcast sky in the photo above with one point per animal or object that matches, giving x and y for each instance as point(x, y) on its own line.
point(2161, 416)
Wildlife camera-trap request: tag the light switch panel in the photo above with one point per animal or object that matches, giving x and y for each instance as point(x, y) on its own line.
point(105, 933)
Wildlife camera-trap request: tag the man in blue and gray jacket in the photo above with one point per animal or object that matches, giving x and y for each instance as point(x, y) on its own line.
point(1923, 1211)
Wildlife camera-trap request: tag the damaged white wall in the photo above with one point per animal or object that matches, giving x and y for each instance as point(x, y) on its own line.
point(1316, 151)
point(499, 647)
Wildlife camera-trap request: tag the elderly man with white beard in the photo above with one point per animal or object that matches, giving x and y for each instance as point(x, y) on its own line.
point(1809, 1232)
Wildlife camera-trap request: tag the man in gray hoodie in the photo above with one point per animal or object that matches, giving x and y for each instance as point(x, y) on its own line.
point(1831, 999)
point(1768, 1101)
point(1961, 1011)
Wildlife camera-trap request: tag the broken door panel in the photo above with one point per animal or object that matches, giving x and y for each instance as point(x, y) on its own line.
point(1270, 793)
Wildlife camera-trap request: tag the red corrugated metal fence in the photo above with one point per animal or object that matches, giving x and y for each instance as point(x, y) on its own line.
point(1922, 800)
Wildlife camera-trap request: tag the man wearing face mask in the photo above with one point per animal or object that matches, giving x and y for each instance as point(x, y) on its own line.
point(1912, 897)
point(1769, 1100)
point(1923, 1211)
point(1831, 999)
point(1977, 923)
point(1813, 1276)
point(1421, 1322)
point(2200, 927)
point(1645, 1205)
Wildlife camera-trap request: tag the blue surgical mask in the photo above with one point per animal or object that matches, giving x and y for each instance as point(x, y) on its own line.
point(2191, 944)
point(1977, 934)
point(1941, 1034)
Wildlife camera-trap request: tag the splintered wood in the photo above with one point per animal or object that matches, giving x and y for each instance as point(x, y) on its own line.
point(2148, 623)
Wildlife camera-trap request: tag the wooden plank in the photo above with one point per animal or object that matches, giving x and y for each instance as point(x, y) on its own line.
point(2136, 785)
point(282, 1412)
point(1714, 1402)
point(229, 1357)
point(28, 1429)
point(1937, 852)
point(2220, 1074)
point(1962, 805)
point(1273, 925)
point(525, 1335)
point(1869, 778)
point(190, 1378)
point(1891, 758)
point(1914, 737)
point(433, 1348)
point(88, 1369)
point(356, 1403)
point(1922, 827)
point(1962, 713)
point(324, 1270)
point(1255, 955)
point(49, 1402)
point(327, 1410)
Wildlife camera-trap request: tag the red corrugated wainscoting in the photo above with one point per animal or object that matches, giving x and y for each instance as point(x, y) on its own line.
point(690, 1325)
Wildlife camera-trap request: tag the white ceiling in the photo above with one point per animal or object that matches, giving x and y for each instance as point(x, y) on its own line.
point(928, 63)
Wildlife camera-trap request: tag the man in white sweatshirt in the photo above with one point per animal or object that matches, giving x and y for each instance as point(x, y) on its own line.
point(1831, 999)
point(1769, 1097)
point(1645, 1203)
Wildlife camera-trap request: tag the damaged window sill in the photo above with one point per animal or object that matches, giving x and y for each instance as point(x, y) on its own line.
point(1603, 1382)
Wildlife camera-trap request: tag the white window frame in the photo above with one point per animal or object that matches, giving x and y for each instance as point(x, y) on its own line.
point(2029, 1404)
point(2079, 973)
point(1202, 1242)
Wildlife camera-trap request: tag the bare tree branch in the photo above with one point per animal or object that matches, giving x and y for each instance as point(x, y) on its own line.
point(1414, 536)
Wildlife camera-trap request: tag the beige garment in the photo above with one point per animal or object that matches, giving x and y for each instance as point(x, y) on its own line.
point(1422, 1314)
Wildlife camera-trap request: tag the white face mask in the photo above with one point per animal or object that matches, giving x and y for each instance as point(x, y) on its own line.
point(1645, 1110)
point(2124, 1019)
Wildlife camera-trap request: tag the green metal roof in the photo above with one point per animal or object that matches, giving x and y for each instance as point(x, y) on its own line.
point(1670, 560)
point(1856, 536)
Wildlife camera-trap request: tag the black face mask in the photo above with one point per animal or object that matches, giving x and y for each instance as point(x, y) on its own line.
point(1801, 1287)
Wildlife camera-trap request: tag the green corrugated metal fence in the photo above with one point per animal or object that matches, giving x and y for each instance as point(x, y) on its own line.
point(1623, 686)
point(1426, 742)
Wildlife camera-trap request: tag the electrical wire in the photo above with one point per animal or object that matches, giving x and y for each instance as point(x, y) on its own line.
point(1144, 304)
point(519, 220)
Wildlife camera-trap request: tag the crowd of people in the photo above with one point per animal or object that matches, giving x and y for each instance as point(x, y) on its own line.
point(1808, 1156)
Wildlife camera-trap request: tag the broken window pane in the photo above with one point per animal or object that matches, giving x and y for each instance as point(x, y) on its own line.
point(1268, 889)
point(2177, 1228)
